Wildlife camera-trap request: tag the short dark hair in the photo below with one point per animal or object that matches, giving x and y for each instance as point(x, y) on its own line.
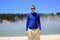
point(32, 6)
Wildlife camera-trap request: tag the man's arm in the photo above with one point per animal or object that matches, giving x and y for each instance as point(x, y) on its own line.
point(27, 23)
point(39, 24)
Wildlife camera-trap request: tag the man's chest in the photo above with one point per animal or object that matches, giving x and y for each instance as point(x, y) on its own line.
point(31, 17)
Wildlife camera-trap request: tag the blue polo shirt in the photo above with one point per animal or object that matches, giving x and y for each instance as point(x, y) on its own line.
point(33, 21)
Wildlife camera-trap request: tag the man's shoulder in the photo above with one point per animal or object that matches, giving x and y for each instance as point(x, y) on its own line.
point(37, 14)
point(28, 14)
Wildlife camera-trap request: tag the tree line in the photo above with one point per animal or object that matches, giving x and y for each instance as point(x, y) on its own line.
point(14, 17)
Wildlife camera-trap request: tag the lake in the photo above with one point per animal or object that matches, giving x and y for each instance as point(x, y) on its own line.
point(49, 25)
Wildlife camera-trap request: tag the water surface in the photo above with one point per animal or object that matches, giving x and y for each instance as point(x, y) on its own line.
point(49, 25)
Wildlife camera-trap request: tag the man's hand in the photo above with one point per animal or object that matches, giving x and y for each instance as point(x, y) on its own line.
point(27, 33)
point(39, 32)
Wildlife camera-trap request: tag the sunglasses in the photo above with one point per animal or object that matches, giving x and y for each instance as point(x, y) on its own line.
point(32, 8)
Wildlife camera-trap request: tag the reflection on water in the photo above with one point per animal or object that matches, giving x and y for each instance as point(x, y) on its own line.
point(50, 25)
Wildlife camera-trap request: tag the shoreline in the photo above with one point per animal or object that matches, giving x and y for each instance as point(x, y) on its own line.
point(43, 37)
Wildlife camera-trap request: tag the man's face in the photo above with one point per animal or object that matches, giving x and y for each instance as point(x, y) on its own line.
point(32, 9)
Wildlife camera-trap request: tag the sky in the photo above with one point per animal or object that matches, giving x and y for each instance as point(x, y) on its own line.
point(23, 6)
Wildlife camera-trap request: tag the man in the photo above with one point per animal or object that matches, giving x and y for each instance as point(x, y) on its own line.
point(33, 26)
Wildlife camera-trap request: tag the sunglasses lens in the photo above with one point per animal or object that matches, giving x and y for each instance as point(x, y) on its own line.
point(32, 8)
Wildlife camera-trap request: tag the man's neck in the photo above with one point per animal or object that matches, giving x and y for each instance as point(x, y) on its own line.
point(32, 12)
